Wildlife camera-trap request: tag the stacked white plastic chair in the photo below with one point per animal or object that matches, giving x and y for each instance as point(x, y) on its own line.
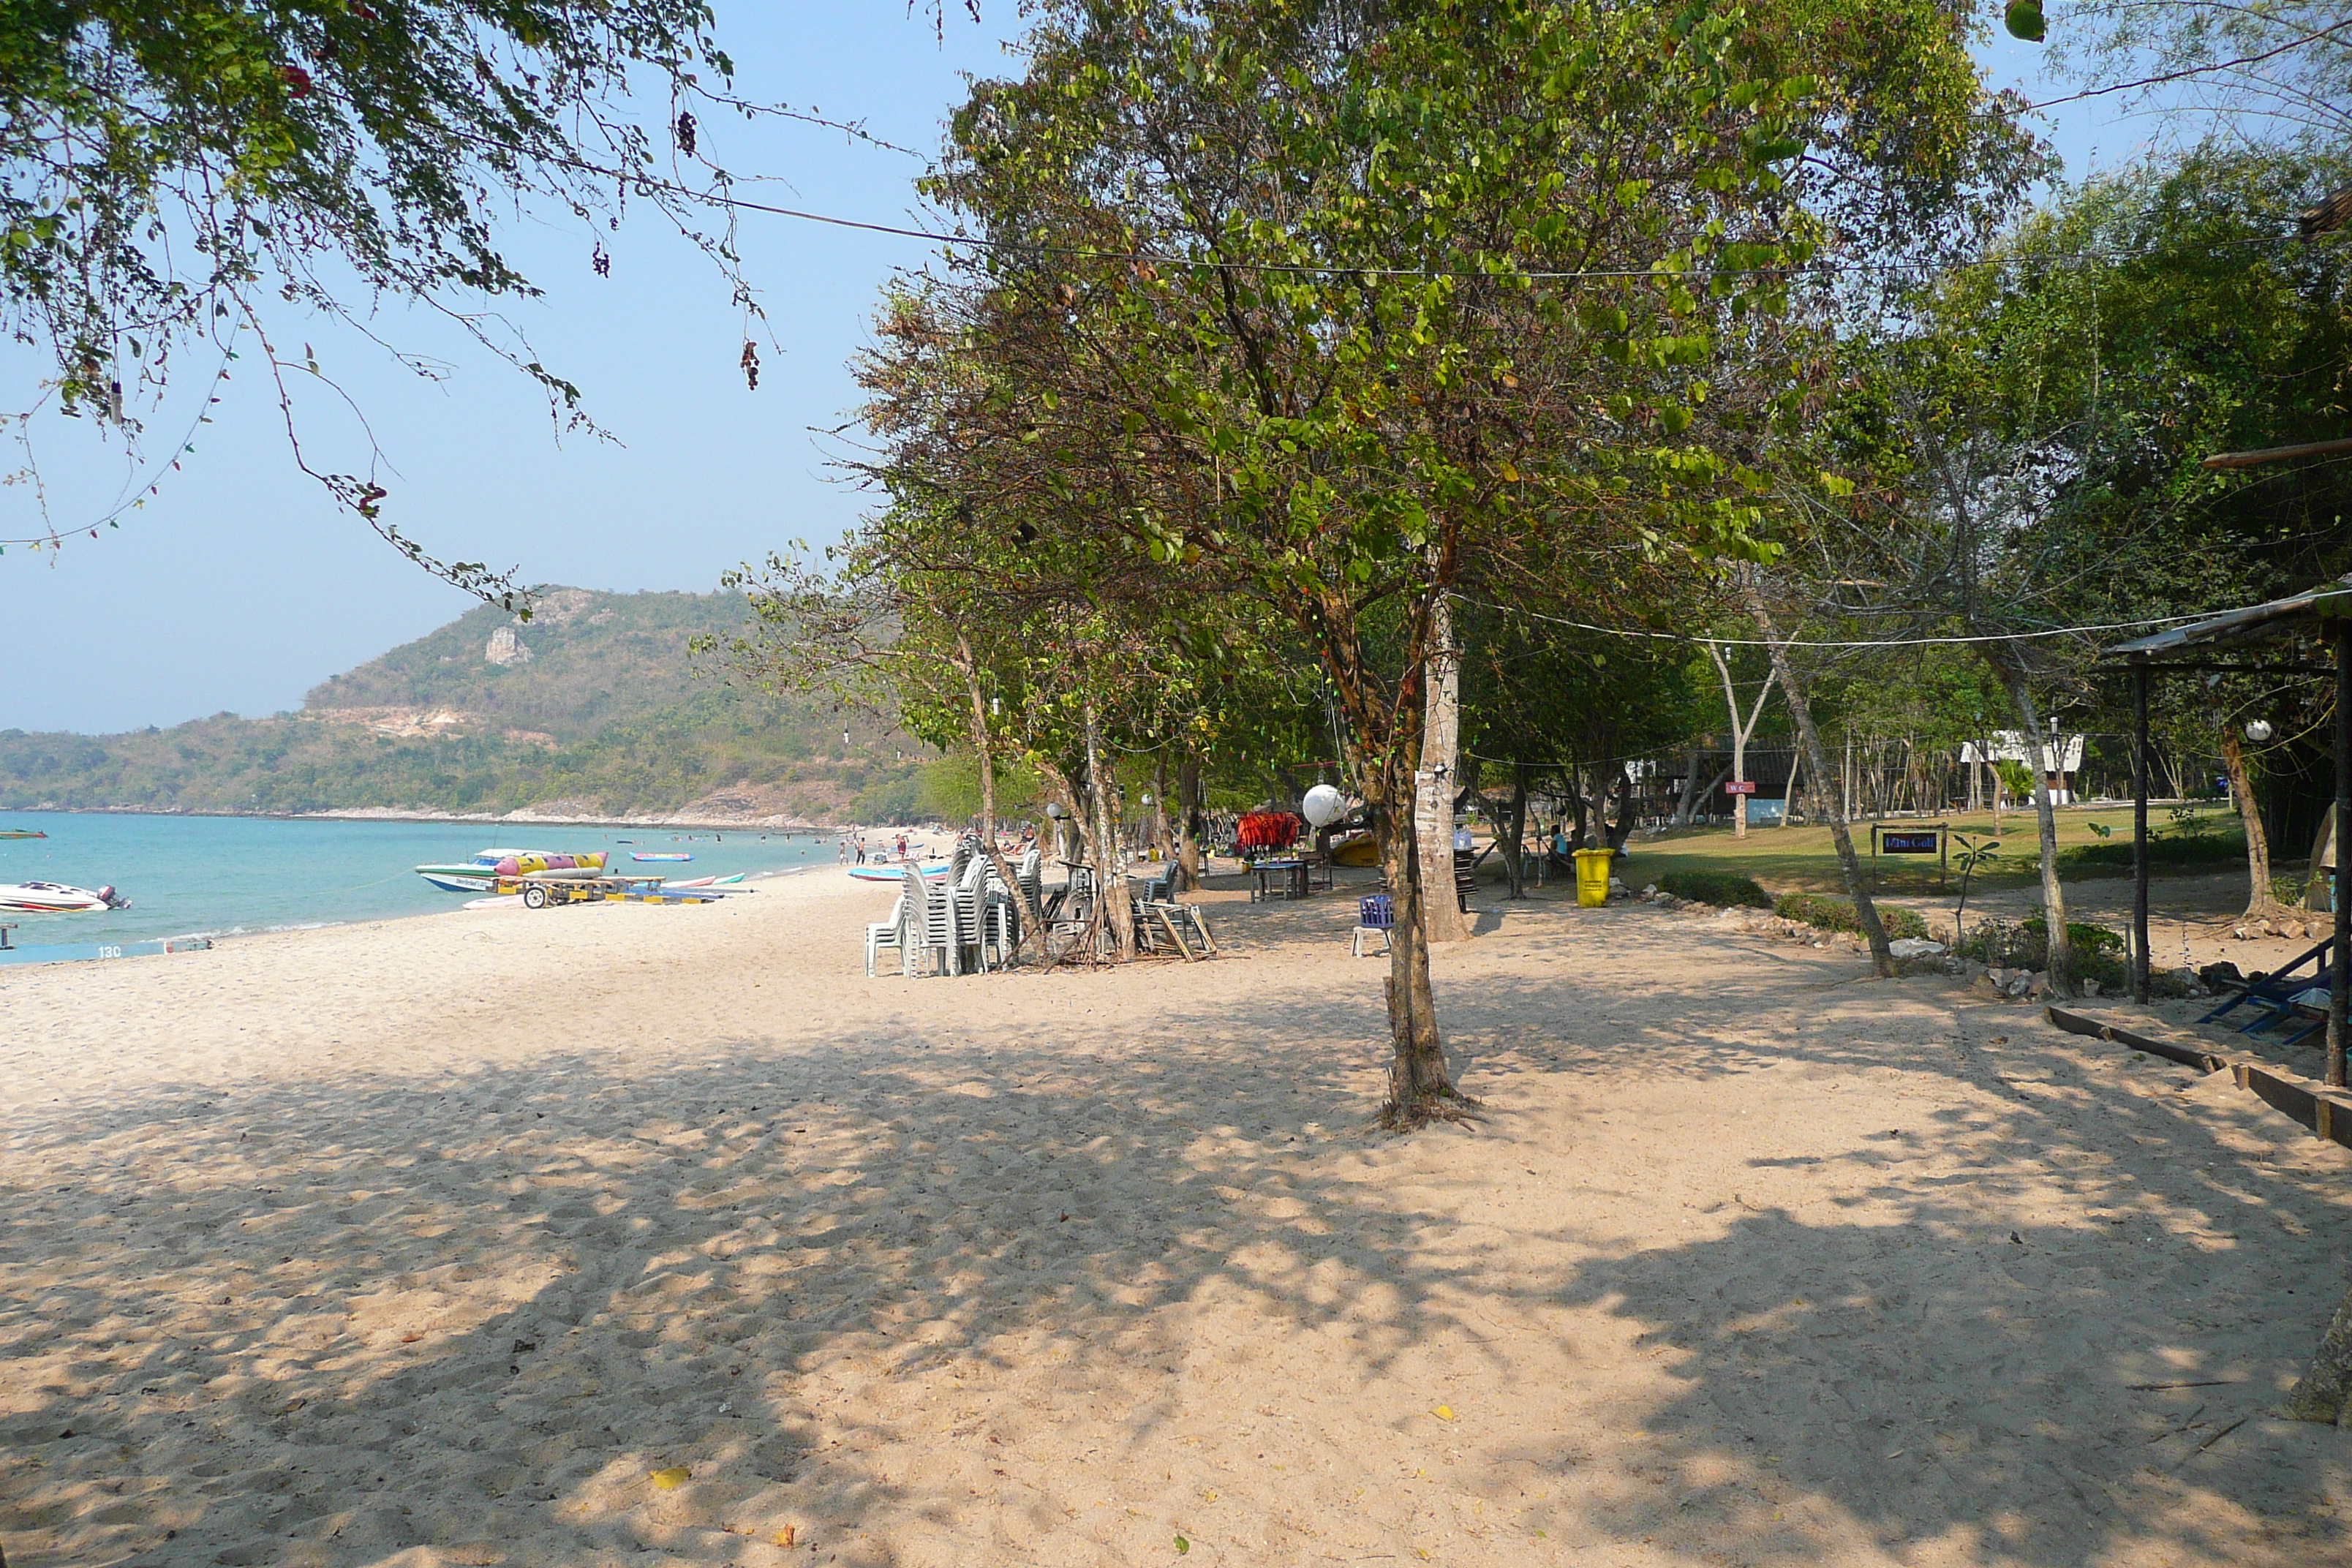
point(892, 932)
point(1000, 917)
point(939, 919)
point(979, 905)
point(1032, 876)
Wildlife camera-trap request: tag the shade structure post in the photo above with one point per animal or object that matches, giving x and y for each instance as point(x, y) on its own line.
point(2339, 984)
point(2139, 830)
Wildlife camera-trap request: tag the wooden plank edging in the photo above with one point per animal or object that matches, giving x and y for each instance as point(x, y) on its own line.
point(2326, 1112)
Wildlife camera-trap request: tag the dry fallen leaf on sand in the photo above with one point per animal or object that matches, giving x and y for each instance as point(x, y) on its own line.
point(1443, 1412)
point(672, 1478)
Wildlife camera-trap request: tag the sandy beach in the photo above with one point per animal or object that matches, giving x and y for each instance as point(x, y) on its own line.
point(451, 1240)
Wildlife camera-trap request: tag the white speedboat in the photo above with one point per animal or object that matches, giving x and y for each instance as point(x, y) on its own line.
point(57, 898)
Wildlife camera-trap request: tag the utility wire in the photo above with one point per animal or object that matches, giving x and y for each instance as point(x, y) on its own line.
point(647, 184)
point(1800, 642)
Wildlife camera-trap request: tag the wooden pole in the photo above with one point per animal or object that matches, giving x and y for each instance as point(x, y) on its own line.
point(2139, 831)
point(2339, 984)
point(2277, 454)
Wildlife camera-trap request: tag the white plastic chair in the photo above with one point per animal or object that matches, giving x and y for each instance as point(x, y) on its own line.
point(892, 932)
point(940, 933)
point(971, 900)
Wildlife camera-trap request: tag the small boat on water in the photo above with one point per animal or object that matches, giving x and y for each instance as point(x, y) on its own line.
point(21, 833)
point(57, 898)
point(634, 856)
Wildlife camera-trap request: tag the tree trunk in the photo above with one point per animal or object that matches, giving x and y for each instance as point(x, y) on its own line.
point(1434, 785)
point(1873, 930)
point(2045, 810)
point(1420, 1089)
point(1110, 863)
point(2259, 900)
point(1193, 820)
point(1033, 923)
point(1789, 796)
point(1691, 791)
point(1740, 732)
point(1160, 809)
point(1515, 861)
point(2324, 1392)
point(1383, 747)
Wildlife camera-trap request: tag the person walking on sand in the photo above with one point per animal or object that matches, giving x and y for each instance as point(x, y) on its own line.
point(861, 849)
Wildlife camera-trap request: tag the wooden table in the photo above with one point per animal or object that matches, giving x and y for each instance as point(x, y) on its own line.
point(1292, 884)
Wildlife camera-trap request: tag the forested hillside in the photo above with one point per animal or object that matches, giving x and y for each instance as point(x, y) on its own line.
point(593, 707)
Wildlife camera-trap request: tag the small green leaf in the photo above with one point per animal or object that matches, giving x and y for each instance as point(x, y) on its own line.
point(1182, 1546)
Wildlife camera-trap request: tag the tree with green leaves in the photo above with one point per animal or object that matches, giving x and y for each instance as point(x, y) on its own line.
point(1337, 309)
point(1384, 307)
point(176, 173)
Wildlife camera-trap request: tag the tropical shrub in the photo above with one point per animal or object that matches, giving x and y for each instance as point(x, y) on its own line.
point(1720, 888)
point(1827, 913)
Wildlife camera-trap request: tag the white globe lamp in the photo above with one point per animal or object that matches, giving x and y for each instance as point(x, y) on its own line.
point(2259, 730)
point(1322, 805)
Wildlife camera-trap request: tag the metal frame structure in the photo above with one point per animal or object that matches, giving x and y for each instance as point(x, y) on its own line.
point(2324, 611)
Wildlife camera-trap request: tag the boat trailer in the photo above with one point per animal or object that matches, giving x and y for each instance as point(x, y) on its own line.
point(542, 891)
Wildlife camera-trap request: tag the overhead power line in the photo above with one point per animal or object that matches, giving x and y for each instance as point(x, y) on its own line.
point(650, 186)
point(1700, 638)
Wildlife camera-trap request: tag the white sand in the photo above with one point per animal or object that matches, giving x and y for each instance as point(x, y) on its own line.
point(428, 1242)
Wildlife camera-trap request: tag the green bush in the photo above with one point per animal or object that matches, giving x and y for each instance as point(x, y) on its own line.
point(1838, 914)
point(2081, 935)
point(2114, 855)
point(1720, 888)
point(2025, 944)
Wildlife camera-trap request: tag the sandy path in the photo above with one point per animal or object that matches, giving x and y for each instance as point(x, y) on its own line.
point(428, 1243)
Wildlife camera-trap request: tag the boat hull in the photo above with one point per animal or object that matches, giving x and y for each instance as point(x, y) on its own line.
point(894, 873)
point(49, 899)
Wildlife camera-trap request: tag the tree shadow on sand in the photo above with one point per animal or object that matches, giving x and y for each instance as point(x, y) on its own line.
point(953, 1294)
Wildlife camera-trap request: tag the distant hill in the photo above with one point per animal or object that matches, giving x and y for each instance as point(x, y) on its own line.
point(593, 708)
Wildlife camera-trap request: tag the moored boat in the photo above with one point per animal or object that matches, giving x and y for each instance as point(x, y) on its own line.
point(481, 874)
point(57, 898)
point(878, 871)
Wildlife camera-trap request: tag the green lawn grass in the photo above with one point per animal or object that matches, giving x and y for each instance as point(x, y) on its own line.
point(1801, 860)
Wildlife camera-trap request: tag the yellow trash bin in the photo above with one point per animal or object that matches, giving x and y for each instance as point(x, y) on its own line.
point(1592, 877)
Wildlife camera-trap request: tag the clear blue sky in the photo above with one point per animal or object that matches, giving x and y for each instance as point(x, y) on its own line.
point(241, 585)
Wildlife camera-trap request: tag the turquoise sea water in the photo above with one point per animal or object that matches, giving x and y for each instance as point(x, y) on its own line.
point(223, 876)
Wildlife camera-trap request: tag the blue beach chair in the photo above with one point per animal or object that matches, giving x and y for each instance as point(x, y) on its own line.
point(2275, 996)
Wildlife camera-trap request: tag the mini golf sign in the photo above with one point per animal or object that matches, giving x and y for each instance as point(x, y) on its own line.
point(1930, 840)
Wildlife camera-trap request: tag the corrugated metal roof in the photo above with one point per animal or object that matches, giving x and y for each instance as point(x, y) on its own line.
point(2255, 623)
